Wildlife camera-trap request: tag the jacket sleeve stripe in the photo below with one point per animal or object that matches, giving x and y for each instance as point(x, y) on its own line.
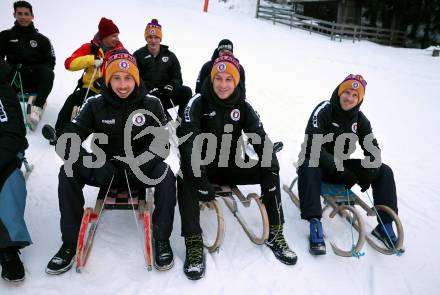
point(187, 112)
point(3, 115)
point(316, 113)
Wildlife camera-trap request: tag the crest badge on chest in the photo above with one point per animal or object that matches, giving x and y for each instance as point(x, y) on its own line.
point(235, 115)
point(138, 120)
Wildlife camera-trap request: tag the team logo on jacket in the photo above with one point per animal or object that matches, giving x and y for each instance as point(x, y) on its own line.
point(355, 85)
point(33, 43)
point(165, 58)
point(235, 114)
point(123, 65)
point(354, 127)
point(221, 67)
point(138, 120)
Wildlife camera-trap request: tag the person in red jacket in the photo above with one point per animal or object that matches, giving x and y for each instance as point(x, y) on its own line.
point(90, 58)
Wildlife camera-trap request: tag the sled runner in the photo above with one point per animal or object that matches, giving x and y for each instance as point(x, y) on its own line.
point(26, 100)
point(342, 202)
point(28, 168)
point(140, 201)
point(230, 195)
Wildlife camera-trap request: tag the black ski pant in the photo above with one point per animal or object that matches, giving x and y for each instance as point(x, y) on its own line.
point(71, 200)
point(179, 97)
point(65, 114)
point(309, 188)
point(188, 199)
point(37, 79)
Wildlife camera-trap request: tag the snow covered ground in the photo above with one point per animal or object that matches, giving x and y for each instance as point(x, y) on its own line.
point(288, 72)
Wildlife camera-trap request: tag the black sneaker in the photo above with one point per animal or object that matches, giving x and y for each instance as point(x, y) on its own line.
point(50, 134)
point(194, 266)
point(164, 258)
point(316, 240)
point(62, 261)
point(279, 247)
point(12, 267)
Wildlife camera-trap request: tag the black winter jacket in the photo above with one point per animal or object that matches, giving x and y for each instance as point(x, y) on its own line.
point(205, 72)
point(160, 70)
point(106, 113)
point(328, 117)
point(206, 113)
point(12, 131)
point(26, 46)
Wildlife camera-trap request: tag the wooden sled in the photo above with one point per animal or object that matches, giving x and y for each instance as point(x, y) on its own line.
point(116, 199)
point(342, 202)
point(229, 194)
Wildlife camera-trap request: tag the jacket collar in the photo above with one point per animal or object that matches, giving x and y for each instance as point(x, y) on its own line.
point(29, 29)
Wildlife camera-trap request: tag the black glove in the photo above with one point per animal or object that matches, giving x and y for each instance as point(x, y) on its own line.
point(365, 179)
point(155, 91)
point(102, 176)
point(348, 178)
point(94, 48)
point(168, 90)
point(98, 83)
point(205, 190)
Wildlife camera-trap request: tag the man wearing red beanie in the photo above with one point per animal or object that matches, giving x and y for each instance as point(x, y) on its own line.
point(89, 57)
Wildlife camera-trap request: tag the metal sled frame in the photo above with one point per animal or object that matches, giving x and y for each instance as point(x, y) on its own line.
point(142, 201)
point(26, 101)
point(340, 205)
point(229, 195)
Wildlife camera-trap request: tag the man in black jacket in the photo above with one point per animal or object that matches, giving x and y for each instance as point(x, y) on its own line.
point(31, 54)
point(224, 46)
point(13, 231)
point(159, 68)
point(331, 135)
point(221, 110)
point(121, 102)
